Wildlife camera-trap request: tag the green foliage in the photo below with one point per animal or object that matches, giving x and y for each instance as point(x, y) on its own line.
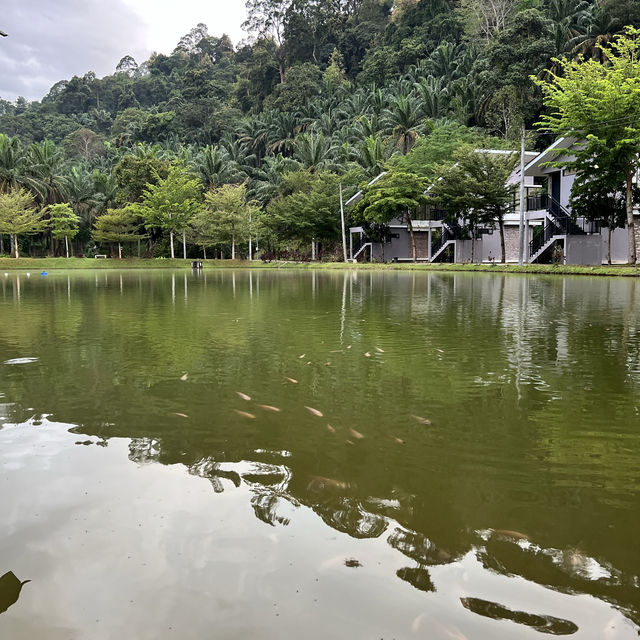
point(135, 172)
point(440, 146)
point(598, 103)
point(118, 225)
point(302, 82)
point(19, 215)
point(309, 206)
point(171, 202)
point(394, 195)
point(321, 86)
point(226, 216)
point(474, 187)
point(63, 221)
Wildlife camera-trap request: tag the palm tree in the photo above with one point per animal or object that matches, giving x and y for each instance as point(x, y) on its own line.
point(237, 154)
point(82, 194)
point(268, 178)
point(355, 106)
point(313, 151)
point(445, 61)
point(433, 94)
point(404, 121)
point(46, 166)
point(571, 20)
point(105, 189)
point(367, 126)
point(253, 136)
point(281, 128)
point(12, 166)
point(215, 168)
point(372, 155)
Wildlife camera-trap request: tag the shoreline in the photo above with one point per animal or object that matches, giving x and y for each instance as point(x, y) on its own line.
point(46, 264)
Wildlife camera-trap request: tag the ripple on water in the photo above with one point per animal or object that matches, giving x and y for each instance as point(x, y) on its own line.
point(21, 361)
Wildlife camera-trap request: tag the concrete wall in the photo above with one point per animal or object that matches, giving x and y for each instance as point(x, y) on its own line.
point(400, 247)
point(464, 250)
point(619, 245)
point(583, 249)
point(491, 245)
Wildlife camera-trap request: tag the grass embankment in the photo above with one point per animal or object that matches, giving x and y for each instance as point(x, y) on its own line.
point(49, 264)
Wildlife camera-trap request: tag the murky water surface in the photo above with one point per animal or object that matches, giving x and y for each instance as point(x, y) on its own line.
point(319, 455)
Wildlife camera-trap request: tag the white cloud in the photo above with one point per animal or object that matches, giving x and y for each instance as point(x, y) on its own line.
point(167, 20)
point(54, 40)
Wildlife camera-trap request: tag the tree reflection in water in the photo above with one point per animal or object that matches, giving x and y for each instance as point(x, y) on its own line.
point(541, 623)
point(531, 385)
point(337, 503)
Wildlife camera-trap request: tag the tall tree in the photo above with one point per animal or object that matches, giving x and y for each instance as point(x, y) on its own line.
point(396, 195)
point(19, 216)
point(64, 223)
point(229, 212)
point(118, 225)
point(598, 194)
point(598, 103)
point(475, 188)
point(266, 18)
point(171, 202)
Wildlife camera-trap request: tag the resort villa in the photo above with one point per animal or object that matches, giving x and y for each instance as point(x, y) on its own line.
point(551, 232)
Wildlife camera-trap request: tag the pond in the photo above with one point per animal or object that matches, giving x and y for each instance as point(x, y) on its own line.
point(300, 454)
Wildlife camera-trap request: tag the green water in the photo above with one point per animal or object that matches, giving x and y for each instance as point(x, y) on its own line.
point(480, 477)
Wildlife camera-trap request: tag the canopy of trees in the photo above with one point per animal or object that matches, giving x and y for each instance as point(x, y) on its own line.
point(321, 93)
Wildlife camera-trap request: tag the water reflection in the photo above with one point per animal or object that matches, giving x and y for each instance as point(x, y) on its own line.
point(528, 386)
point(541, 623)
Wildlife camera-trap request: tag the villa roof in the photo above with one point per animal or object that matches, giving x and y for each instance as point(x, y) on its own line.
point(536, 166)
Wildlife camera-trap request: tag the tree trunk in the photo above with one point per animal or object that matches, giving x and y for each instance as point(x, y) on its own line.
point(313, 249)
point(119, 251)
point(15, 246)
point(609, 247)
point(173, 253)
point(413, 238)
point(138, 247)
point(184, 244)
point(631, 227)
point(233, 246)
point(204, 252)
point(1, 243)
point(473, 246)
point(502, 249)
point(66, 245)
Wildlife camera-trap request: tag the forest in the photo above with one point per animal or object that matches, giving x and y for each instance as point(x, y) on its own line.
point(215, 144)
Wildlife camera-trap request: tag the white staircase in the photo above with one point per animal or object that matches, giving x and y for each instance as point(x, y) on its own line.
point(360, 250)
point(448, 243)
point(546, 245)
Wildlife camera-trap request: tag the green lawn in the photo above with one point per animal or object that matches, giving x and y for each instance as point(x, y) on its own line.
point(48, 264)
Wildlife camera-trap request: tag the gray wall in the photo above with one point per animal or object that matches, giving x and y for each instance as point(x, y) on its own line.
point(583, 249)
point(464, 250)
point(619, 245)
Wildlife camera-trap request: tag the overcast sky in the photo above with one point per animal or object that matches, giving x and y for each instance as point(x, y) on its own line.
point(51, 40)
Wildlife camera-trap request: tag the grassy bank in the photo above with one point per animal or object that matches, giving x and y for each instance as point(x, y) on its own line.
point(49, 264)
